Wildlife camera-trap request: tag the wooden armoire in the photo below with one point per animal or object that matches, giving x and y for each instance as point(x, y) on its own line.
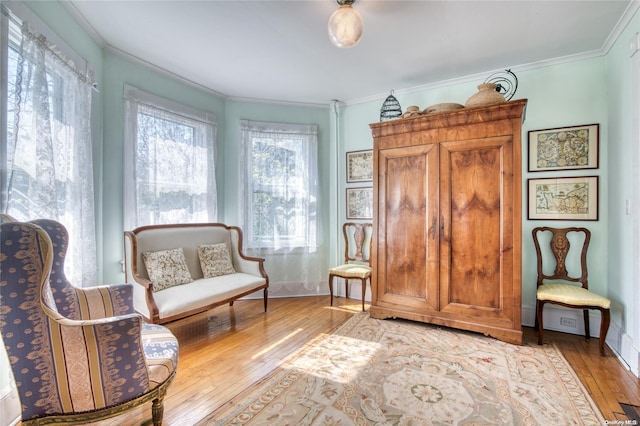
point(447, 191)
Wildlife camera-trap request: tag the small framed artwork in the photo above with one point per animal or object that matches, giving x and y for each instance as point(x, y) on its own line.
point(360, 166)
point(565, 198)
point(359, 203)
point(564, 148)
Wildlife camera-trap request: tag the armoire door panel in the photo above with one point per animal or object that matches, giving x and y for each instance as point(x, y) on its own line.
point(409, 253)
point(473, 277)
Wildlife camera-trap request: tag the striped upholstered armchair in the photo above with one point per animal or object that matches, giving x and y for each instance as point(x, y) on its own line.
point(82, 303)
point(77, 355)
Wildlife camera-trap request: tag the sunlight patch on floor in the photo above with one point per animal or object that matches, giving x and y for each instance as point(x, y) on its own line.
point(276, 344)
point(336, 358)
point(355, 308)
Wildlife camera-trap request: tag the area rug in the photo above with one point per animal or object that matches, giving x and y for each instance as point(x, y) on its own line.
point(395, 372)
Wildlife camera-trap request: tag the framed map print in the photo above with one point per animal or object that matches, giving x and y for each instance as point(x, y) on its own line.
point(359, 203)
point(360, 166)
point(564, 148)
point(566, 198)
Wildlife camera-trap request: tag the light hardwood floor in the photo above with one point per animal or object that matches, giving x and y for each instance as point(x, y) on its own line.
point(227, 349)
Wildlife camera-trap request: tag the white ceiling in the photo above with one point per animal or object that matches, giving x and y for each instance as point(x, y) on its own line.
point(280, 50)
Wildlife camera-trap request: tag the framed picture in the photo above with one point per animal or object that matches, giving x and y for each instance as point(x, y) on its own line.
point(359, 203)
point(566, 198)
point(564, 148)
point(360, 166)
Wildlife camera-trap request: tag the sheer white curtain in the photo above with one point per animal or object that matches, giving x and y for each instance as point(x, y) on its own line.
point(279, 202)
point(49, 171)
point(169, 169)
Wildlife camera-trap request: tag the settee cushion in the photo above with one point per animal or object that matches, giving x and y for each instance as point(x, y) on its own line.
point(166, 268)
point(215, 260)
point(205, 291)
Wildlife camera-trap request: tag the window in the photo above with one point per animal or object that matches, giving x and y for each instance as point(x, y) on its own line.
point(46, 161)
point(279, 185)
point(169, 168)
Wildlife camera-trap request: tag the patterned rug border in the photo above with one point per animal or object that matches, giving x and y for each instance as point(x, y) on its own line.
point(286, 373)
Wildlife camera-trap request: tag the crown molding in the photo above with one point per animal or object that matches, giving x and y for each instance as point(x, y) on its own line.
point(279, 102)
point(621, 25)
point(205, 89)
point(160, 70)
point(82, 21)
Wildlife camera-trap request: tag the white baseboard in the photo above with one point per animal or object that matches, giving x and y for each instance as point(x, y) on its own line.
point(555, 315)
point(620, 343)
point(9, 407)
point(292, 289)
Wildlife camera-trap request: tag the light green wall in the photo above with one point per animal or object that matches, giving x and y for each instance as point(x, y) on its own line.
point(623, 184)
point(565, 95)
point(294, 114)
point(118, 71)
point(279, 268)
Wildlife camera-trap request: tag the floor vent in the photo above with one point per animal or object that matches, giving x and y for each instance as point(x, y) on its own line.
point(632, 411)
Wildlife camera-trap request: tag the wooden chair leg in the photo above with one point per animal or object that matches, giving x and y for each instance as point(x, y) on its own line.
point(266, 294)
point(587, 331)
point(331, 287)
point(539, 305)
point(364, 290)
point(604, 328)
point(157, 411)
point(346, 288)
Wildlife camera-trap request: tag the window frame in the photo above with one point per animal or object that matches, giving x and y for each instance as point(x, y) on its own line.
point(307, 153)
point(133, 97)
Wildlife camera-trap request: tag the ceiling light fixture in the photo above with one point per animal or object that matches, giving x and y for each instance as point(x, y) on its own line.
point(345, 25)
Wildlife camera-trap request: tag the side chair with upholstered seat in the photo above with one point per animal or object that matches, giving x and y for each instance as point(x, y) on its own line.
point(77, 354)
point(357, 257)
point(564, 288)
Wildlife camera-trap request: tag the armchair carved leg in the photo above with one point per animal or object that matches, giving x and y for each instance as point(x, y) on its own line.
point(157, 411)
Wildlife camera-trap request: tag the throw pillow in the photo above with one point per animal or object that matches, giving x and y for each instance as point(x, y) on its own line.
point(166, 268)
point(215, 260)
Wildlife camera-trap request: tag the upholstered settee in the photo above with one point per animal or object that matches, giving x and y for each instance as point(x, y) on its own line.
point(180, 270)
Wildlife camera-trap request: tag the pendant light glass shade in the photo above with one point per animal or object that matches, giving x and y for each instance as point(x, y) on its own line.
point(345, 26)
